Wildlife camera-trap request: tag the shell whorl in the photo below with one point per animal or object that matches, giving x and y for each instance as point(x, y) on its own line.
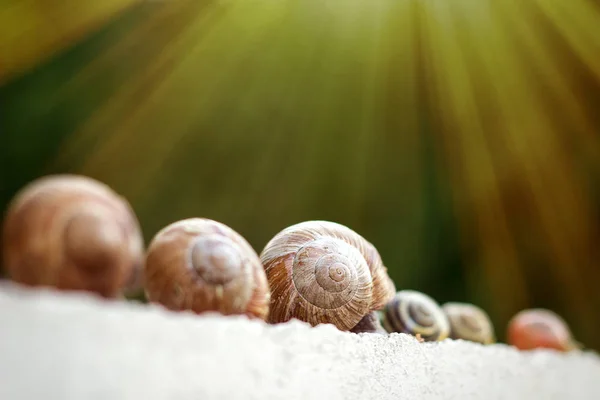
point(540, 328)
point(469, 322)
point(72, 232)
point(415, 313)
point(323, 272)
point(203, 265)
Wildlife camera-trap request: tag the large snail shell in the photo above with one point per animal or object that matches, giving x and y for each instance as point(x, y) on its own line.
point(74, 233)
point(324, 272)
point(202, 265)
point(540, 328)
point(415, 313)
point(469, 322)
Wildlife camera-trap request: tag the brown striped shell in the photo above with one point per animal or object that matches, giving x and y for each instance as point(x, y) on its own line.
point(469, 322)
point(202, 265)
point(72, 232)
point(324, 272)
point(540, 328)
point(416, 313)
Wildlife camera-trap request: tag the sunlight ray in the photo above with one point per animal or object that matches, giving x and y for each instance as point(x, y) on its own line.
point(578, 21)
point(547, 65)
point(161, 46)
point(165, 115)
point(32, 31)
point(533, 144)
point(460, 116)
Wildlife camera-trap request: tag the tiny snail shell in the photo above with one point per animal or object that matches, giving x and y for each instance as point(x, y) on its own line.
point(469, 322)
point(540, 328)
point(323, 272)
point(413, 312)
point(202, 265)
point(72, 232)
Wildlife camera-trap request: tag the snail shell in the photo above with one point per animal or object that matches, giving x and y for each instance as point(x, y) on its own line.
point(469, 322)
point(324, 272)
point(540, 328)
point(202, 265)
point(416, 313)
point(72, 232)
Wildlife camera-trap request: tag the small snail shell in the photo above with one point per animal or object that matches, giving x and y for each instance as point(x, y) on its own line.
point(73, 233)
point(540, 328)
point(324, 272)
point(202, 265)
point(469, 322)
point(415, 313)
point(369, 324)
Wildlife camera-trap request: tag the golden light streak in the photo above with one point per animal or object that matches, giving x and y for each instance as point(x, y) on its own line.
point(573, 20)
point(162, 118)
point(33, 30)
point(465, 133)
point(519, 20)
point(539, 155)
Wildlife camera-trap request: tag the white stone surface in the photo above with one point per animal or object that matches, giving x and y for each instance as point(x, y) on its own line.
point(76, 347)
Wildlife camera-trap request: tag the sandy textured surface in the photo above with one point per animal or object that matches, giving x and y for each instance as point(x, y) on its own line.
point(78, 347)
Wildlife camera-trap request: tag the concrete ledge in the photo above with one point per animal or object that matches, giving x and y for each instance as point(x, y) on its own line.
point(79, 347)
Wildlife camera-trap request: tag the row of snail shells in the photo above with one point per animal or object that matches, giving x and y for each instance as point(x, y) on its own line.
point(72, 232)
point(322, 272)
point(469, 322)
point(415, 313)
point(540, 328)
point(202, 265)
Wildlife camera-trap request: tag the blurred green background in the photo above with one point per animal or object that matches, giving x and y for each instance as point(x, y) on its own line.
point(460, 137)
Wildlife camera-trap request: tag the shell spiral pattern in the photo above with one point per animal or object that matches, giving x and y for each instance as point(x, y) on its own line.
point(324, 272)
point(72, 232)
point(469, 322)
point(415, 313)
point(203, 265)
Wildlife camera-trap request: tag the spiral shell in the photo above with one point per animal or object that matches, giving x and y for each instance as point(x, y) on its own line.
point(324, 272)
point(413, 312)
point(540, 328)
point(72, 232)
point(469, 322)
point(203, 265)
